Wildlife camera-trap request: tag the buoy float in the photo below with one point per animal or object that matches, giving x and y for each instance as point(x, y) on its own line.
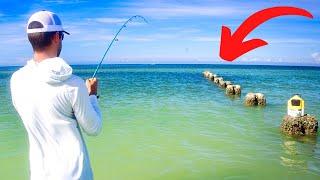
point(296, 106)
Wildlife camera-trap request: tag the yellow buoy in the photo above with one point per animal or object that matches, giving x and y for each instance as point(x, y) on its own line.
point(296, 106)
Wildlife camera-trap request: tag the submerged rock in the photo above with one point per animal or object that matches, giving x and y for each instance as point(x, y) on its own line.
point(303, 125)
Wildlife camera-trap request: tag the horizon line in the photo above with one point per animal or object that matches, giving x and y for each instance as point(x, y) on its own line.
point(225, 64)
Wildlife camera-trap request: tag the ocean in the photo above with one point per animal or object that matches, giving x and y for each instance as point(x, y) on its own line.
point(169, 122)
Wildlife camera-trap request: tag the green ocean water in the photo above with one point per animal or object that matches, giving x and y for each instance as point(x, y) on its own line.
point(168, 122)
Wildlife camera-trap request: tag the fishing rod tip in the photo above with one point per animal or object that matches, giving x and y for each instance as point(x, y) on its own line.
point(143, 18)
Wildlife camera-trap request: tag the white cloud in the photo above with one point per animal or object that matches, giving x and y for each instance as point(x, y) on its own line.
point(14, 35)
point(261, 59)
point(316, 56)
point(181, 30)
point(146, 38)
point(294, 41)
point(108, 20)
point(91, 38)
point(206, 39)
point(139, 39)
point(64, 1)
point(164, 9)
point(170, 10)
point(15, 40)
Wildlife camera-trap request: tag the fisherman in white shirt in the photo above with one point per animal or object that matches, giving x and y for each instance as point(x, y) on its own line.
point(53, 104)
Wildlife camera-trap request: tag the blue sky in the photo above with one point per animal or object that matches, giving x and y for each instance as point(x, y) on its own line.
point(178, 31)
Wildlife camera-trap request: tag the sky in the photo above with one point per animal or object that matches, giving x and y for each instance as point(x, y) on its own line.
point(177, 31)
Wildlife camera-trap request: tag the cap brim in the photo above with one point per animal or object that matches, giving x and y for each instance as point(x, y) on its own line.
point(66, 32)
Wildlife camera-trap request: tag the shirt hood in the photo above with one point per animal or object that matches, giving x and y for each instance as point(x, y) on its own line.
point(52, 70)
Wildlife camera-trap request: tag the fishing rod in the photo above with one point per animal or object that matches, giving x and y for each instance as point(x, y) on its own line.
point(115, 39)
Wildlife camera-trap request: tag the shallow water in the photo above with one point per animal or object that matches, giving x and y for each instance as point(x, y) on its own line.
point(168, 122)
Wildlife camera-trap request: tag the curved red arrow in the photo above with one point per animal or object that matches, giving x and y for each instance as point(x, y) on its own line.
point(232, 46)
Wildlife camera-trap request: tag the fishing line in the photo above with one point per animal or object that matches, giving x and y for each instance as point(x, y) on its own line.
point(115, 39)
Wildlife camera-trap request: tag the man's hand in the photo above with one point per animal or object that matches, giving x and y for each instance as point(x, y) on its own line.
point(92, 85)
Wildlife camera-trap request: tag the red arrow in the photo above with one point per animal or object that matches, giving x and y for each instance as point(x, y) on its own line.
point(232, 46)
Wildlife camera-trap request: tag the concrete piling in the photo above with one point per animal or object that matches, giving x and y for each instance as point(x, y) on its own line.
point(228, 83)
point(250, 99)
point(261, 99)
point(291, 125)
point(237, 89)
point(255, 99)
point(222, 83)
point(301, 125)
point(233, 90)
point(229, 90)
point(218, 79)
point(205, 73)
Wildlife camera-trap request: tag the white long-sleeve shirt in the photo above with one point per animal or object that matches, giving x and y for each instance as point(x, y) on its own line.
point(52, 104)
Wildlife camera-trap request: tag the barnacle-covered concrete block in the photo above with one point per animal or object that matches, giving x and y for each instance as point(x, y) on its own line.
point(255, 99)
point(250, 99)
point(303, 125)
point(217, 80)
point(237, 89)
point(233, 90)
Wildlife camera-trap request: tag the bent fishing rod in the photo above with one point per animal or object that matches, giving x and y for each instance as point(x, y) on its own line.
point(115, 39)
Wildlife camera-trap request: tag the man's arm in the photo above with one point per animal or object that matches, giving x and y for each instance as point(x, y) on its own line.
point(86, 108)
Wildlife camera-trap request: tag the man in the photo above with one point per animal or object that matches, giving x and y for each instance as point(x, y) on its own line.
point(53, 104)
